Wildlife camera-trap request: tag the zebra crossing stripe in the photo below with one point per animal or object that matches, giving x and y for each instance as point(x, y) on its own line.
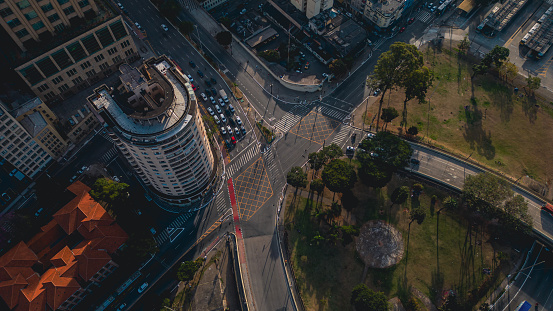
point(243, 159)
point(291, 118)
point(344, 130)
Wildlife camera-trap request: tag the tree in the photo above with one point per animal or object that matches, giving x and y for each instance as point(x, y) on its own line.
point(270, 55)
point(464, 45)
point(332, 152)
point(413, 130)
point(387, 149)
point(364, 298)
point(316, 160)
point(478, 69)
point(417, 214)
point(224, 38)
point(515, 215)
point(496, 56)
point(142, 246)
point(339, 176)
point(416, 86)
point(389, 114)
point(485, 192)
point(338, 67)
point(393, 67)
point(400, 195)
point(375, 175)
point(508, 70)
point(186, 27)
point(448, 203)
point(187, 270)
point(533, 83)
point(225, 21)
point(170, 9)
point(317, 185)
point(107, 190)
point(296, 177)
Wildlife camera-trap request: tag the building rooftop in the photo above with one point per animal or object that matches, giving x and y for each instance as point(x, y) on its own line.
point(346, 36)
point(160, 101)
point(387, 6)
point(25, 107)
point(34, 123)
point(256, 39)
point(501, 15)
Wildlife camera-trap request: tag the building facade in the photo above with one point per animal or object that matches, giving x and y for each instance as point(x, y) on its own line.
point(312, 7)
point(79, 62)
point(211, 4)
point(155, 122)
point(29, 21)
point(20, 142)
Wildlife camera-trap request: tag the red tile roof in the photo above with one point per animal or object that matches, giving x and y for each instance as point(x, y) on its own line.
point(24, 289)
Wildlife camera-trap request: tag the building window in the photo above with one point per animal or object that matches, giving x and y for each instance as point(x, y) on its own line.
point(59, 27)
point(14, 23)
point(23, 4)
point(77, 80)
point(104, 66)
point(62, 2)
point(54, 17)
point(22, 33)
point(99, 58)
point(71, 72)
point(57, 80)
point(90, 73)
point(49, 95)
point(116, 59)
point(38, 25)
point(68, 10)
point(112, 51)
point(47, 7)
point(43, 87)
point(83, 3)
point(125, 44)
point(6, 12)
point(129, 52)
point(85, 65)
point(30, 15)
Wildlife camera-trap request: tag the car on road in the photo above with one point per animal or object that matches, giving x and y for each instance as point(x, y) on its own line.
point(164, 27)
point(370, 135)
point(223, 119)
point(415, 161)
point(350, 150)
point(218, 109)
point(207, 83)
point(216, 118)
point(193, 86)
point(200, 73)
point(306, 66)
point(153, 230)
point(221, 102)
point(192, 64)
point(231, 108)
point(143, 287)
point(223, 130)
point(411, 20)
point(39, 211)
point(190, 78)
point(213, 81)
point(243, 130)
point(122, 307)
point(212, 100)
point(210, 111)
point(237, 131)
point(238, 120)
point(203, 96)
point(233, 140)
point(72, 179)
point(138, 26)
point(402, 29)
point(376, 92)
point(229, 129)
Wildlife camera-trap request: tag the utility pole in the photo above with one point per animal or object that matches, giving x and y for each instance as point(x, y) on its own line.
point(288, 60)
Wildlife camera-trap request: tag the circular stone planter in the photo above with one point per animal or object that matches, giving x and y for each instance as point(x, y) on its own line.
point(379, 244)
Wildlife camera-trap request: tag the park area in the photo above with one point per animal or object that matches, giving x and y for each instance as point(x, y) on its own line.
point(449, 251)
point(484, 120)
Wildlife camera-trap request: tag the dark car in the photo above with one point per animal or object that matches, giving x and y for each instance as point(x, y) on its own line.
point(411, 20)
point(200, 73)
point(402, 29)
point(415, 161)
point(213, 81)
point(207, 83)
point(192, 64)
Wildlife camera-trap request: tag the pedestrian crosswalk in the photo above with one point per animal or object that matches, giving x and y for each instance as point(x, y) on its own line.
point(221, 202)
point(424, 16)
point(272, 167)
point(344, 132)
point(176, 224)
point(242, 158)
point(105, 135)
point(378, 43)
point(333, 113)
point(291, 118)
point(109, 155)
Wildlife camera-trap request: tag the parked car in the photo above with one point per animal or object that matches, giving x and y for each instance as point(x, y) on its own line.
point(210, 111)
point(213, 81)
point(243, 130)
point(122, 307)
point(200, 73)
point(237, 131)
point(238, 120)
point(137, 26)
point(212, 100)
point(231, 108)
point(223, 119)
point(218, 109)
point(411, 20)
point(223, 130)
point(203, 96)
point(415, 161)
point(190, 78)
point(216, 118)
point(192, 64)
point(402, 29)
point(143, 287)
point(164, 27)
point(207, 83)
point(39, 211)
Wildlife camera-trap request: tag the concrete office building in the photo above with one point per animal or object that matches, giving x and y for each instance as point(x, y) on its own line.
point(155, 122)
point(383, 13)
point(21, 142)
point(66, 44)
point(312, 7)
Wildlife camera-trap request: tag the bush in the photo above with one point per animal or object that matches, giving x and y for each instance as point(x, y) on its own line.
point(270, 55)
point(269, 136)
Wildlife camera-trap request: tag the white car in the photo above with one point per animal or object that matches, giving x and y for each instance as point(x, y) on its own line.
point(164, 27)
point(237, 131)
point(190, 78)
point(221, 102)
point(218, 108)
point(370, 135)
point(210, 111)
point(229, 129)
point(223, 131)
point(212, 100)
point(137, 25)
point(238, 120)
point(223, 119)
point(203, 96)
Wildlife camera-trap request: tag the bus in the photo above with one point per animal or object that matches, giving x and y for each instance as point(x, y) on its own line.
point(524, 306)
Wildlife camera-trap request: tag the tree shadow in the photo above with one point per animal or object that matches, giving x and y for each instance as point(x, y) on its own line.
point(436, 285)
point(530, 108)
point(501, 97)
point(349, 200)
point(475, 134)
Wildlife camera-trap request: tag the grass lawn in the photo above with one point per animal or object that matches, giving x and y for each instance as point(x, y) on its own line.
point(497, 128)
point(326, 273)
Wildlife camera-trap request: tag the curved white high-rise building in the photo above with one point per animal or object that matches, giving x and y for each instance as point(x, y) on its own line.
point(154, 119)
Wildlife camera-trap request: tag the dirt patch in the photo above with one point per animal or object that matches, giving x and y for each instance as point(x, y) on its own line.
point(379, 244)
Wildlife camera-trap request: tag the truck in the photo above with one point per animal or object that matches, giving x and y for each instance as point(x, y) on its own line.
point(223, 95)
point(548, 207)
point(524, 306)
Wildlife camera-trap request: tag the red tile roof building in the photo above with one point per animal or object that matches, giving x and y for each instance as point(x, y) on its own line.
point(58, 266)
